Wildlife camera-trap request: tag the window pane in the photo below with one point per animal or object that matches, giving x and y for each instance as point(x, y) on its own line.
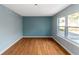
point(61, 26)
point(62, 21)
point(73, 26)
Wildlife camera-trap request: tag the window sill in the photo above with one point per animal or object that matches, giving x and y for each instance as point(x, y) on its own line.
point(76, 43)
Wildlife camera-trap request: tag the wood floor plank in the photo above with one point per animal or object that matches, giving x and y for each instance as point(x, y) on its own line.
point(36, 46)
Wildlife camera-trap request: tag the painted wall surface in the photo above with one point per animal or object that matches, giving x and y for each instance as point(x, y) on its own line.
point(37, 26)
point(69, 46)
point(10, 27)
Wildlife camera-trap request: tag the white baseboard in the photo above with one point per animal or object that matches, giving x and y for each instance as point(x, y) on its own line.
point(62, 46)
point(37, 36)
point(10, 45)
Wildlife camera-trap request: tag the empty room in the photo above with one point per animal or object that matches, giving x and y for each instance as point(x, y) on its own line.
point(39, 29)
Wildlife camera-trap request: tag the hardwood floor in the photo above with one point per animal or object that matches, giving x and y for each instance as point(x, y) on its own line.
point(35, 46)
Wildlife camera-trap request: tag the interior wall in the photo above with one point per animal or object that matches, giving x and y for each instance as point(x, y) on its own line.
point(68, 44)
point(37, 26)
point(10, 27)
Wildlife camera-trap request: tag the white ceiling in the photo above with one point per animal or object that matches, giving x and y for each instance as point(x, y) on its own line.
point(36, 10)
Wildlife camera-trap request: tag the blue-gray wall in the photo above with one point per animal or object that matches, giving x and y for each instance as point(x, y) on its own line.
point(37, 26)
point(10, 27)
point(68, 44)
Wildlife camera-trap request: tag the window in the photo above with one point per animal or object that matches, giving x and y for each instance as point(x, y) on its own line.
point(68, 26)
point(61, 26)
point(73, 26)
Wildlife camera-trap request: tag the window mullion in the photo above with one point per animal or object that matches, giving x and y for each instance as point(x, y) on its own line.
point(66, 26)
point(58, 25)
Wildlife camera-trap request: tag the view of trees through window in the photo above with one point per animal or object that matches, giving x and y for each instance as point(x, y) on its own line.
point(62, 25)
point(73, 25)
point(69, 28)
